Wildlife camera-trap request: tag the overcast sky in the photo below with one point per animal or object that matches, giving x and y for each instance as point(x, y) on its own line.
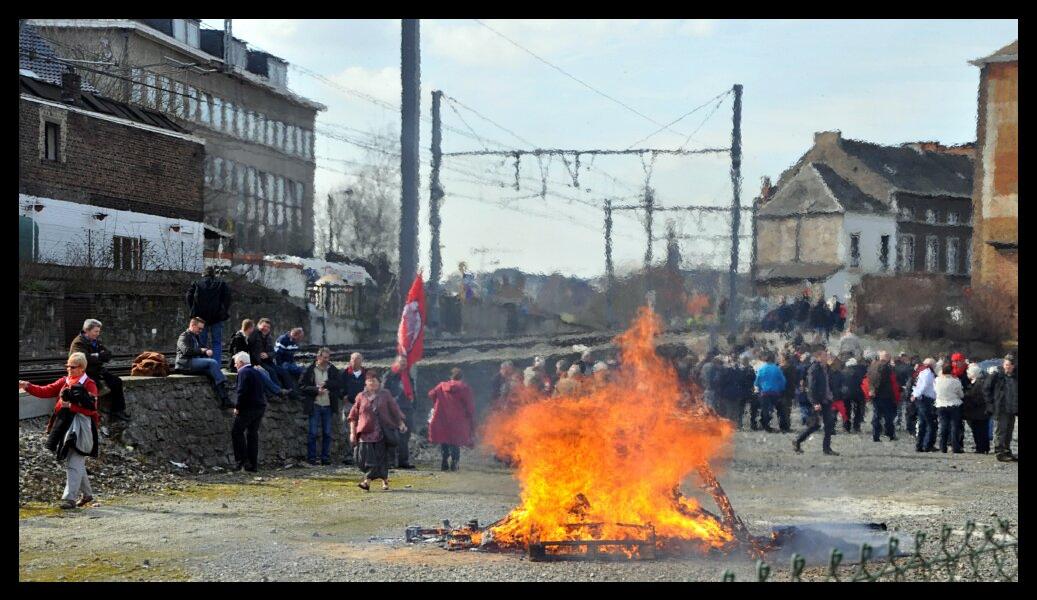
point(882, 81)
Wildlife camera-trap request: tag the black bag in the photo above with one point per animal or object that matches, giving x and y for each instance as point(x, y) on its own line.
point(77, 394)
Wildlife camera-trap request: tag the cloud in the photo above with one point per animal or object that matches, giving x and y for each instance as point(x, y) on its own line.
point(697, 27)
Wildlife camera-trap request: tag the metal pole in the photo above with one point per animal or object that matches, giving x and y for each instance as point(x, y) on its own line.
point(331, 248)
point(649, 207)
point(609, 272)
point(410, 74)
point(736, 184)
point(435, 195)
point(227, 35)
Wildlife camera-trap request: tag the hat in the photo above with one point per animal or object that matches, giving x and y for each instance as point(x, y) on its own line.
point(957, 356)
point(851, 362)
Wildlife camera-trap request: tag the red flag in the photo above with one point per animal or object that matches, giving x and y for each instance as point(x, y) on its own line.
point(410, 339)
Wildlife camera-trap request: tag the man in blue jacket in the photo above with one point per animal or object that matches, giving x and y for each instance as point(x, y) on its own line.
point(284, 353)
point(770, 383)
point(248, 414)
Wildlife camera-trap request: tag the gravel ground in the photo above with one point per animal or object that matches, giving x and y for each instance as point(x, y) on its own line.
point(314, 524)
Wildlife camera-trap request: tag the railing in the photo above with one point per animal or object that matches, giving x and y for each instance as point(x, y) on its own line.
point(995, 557)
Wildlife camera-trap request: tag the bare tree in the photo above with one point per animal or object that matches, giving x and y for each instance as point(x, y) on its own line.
point(365, 214)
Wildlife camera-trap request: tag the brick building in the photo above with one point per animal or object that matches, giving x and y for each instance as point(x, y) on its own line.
point(849, 208)
point(259, 167)
point(104, 184)
point(996, 197)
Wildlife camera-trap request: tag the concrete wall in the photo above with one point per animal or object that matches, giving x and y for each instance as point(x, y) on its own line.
point(776, 240)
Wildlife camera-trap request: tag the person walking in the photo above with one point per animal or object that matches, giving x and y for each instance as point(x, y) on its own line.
point(770, 384)
point(74, 413)
point(453, 419)
point(209, 298)
point(923, 395)
point(192, 357)
point(1002, 387)
point(819, 395)
point(248, 414)
point(853, 396)
point(976, 410)
point(948, 407)
point(88, 342)
point(884, 394)
point(373, 421)
point(394, 384)
point(321, 388)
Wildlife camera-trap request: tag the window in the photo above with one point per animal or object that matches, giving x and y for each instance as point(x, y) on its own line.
point(228, 175)
point(150, 82)
point(163, 94)
point(906, 213)
point(232, 118)
point(291, 139)
point(932, 253)
point(217, 172)
point(884, 252)
point(180, 30)
point(249, 124)
point(127, 253)
point(260, 130)
point(205, 102)
point(51, 140)
point(855, 250)
point(952, 218)
point(192, 34)
point(208, 171)
point(192, 103)
point(269, 135)
point(968, 256)
point(217, 113)
point(178, 100)
point(930, 216)
point(239, 179)
point(306, 136)
point(136, 89)
point(952, 255)
point(906, 253)
point(279, 135)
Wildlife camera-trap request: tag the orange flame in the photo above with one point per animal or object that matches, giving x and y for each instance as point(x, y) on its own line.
point(610, 455)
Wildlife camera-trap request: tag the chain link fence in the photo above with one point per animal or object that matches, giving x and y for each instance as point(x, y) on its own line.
point(989, 555)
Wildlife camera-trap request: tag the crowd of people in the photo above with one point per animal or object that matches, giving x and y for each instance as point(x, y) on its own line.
point(932, 399)
point(821, 316)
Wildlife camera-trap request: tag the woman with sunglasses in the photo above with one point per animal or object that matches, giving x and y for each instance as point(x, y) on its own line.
point(77, 479)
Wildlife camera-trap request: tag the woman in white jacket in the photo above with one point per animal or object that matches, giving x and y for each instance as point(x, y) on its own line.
point(949, 394)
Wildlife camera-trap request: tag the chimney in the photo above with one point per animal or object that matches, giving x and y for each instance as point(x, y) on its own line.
point(765, 188)
point(827, 137)
point(71, 87)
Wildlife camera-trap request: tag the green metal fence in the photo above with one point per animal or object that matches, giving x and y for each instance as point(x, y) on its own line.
point(993, 556)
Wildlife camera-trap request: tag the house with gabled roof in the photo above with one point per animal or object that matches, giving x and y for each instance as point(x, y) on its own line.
point(849, 208)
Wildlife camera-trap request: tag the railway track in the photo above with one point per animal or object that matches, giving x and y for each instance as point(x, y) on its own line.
point(47, 369)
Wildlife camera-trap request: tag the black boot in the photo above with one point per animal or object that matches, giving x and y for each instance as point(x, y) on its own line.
point(444, 466)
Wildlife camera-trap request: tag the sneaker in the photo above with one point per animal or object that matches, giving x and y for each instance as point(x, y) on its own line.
point(85, 500)
point(67, 505)
point(446, 467)
point(1000, 458)
point(831, 452)
point(795, 446)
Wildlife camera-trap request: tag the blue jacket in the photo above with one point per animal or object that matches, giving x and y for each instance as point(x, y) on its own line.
point(770, 380)
point(250, 389)
point(285, 349)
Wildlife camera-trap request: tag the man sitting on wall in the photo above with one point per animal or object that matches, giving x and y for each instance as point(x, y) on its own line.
point(284, 353)
point(88, 343)
point(192, 357)
point(261, 353)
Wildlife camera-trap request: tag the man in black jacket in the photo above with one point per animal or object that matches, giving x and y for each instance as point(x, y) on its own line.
point(261, 353)
point(88, 343)
point(321, 388)
point(192, 357)
point(393, 381)
point(819, 394)
point(1002, 387)
point(209, 299)
point(248, 414)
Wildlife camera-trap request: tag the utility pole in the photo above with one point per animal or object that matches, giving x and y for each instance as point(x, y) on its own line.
point(609, 272)
point(410, 75)
point(435, 195)
point(649, 207)
point(330, 228)
point(736, 213)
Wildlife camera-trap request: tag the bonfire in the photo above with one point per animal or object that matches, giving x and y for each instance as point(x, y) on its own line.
point(600, 471)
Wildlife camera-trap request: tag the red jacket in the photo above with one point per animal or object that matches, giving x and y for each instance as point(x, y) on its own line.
point(53, 390)
point(453, 414)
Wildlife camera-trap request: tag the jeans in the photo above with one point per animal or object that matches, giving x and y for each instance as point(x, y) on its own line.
point(950, 417)
point(815, 421)
point(767, 403)
point(925, 436)
point(911, 414)
point(268, 383)
point(283, 374)
point(885, 411)
point(217, 339)
point(114, 384)
point(1003, 435)
point(207, 366)
point(320, 420)
point(244, 434)
point(76, 479)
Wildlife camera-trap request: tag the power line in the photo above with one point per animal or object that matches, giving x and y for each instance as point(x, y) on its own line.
point(578, 80)
point(680, 118)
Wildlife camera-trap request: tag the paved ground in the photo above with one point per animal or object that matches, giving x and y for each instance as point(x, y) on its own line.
point(315, 524)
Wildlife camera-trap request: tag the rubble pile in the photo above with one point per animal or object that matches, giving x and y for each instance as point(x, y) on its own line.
point(117, 469)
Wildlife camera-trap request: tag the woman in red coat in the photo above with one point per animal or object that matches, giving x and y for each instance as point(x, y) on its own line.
point(453, 418)
point(68, 404)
